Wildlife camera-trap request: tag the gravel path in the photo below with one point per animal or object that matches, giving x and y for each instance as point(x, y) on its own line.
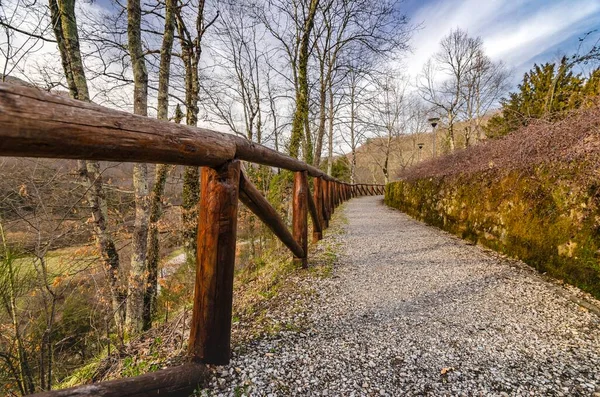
point(412, 310)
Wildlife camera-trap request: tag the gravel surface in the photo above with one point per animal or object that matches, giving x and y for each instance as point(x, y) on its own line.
point(412, 310)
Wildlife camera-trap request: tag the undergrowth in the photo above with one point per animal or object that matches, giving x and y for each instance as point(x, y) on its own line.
point(270, 296)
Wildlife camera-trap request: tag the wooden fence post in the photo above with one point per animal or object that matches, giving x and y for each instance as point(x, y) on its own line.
point(318, 200)
point(299, 215)
point(331, 197)
point(210, 331)
point(325, 198)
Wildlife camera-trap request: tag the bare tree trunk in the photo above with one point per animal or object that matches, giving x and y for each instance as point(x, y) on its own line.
point(191, 175)
point(300, 120)
point(451, 141)
point(161, 171)
point(136, 282)
point(353, 142)
point(330, 136)
point(386, 160)
point(191, 50)
point(65, 29)
point(322, 117)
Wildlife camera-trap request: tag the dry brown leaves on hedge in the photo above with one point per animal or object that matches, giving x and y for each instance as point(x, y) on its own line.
point(575, 139)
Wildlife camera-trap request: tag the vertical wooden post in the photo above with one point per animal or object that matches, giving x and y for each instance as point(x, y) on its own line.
point(325, 198)
point(331, 197)
point(210, 331)
point(299, 215)
point(318, 200)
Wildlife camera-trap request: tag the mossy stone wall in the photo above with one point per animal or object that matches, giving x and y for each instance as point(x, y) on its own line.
point(547, 216)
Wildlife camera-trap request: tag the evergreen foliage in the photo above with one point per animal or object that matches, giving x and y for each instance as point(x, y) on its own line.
point(548, 91)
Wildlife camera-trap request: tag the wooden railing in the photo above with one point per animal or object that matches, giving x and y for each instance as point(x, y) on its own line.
point(37, 124)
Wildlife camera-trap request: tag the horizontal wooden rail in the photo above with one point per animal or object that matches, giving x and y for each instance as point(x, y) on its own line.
point(38, 124)
point(258, 204)
point(34, 123)
point(179, 381)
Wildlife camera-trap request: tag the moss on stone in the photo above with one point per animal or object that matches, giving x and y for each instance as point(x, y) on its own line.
point(545, 216)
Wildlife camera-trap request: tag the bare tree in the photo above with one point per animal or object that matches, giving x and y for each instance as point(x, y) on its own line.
point(454, 61)
point(354, 127)
point(191, 49)
point(136, 281)
point(67, 37)
point(387, 116)
point(24, 28)
point(235, 91)
point(485, 82)
point(291, 22)
point(379, 29)
point(162, 170)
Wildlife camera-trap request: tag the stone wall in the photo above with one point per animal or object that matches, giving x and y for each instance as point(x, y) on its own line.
point(546, 215)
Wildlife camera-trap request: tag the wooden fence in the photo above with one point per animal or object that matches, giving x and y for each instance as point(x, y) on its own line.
point(37, 124)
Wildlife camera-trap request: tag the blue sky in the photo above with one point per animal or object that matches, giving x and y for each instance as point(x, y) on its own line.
point(518, 32)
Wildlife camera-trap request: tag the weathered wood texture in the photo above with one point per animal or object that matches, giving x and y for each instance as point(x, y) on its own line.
point(299, 215)
point(178, 381)
point(38, 124)
point(210, 331)
point(258, 204)
point(331, 196)
point(255, 153)
point(314, 215)
point(325, 202)
point(318, 202)
point(34, 123)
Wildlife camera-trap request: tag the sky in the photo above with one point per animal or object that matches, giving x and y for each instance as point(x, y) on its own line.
point(518, 32)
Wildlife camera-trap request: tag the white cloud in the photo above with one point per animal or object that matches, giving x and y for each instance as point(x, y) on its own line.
point(513, 31)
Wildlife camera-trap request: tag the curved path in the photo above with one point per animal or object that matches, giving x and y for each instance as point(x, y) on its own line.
point(412, 310)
